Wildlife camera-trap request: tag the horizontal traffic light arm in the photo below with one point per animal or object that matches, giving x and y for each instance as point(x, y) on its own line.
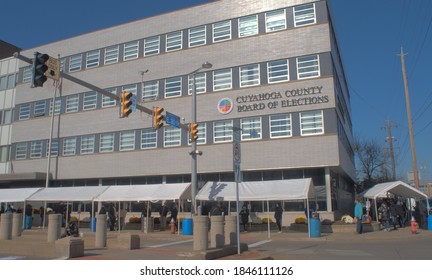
point(97, 89)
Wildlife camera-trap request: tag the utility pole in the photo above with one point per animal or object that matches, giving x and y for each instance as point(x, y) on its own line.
point(410, 125)
point(392, 158)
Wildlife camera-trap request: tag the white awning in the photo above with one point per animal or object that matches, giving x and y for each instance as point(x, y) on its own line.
point(397, 188)
point(16, 195)
point(146, 192)
point(68, 194)
point(295, 189)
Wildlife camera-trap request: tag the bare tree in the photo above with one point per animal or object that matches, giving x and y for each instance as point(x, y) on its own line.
point(371, 162)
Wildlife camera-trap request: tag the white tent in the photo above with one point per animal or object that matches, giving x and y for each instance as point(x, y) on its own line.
point(16, 195)
point(81, 194)
point(295, 189)
point(146, 192)
point(398, 188)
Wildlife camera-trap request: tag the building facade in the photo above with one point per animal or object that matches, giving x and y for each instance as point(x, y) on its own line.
point(276, 74)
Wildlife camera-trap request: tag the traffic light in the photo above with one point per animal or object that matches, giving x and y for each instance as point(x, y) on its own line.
point(157, 117)
point(125, 104)
point(39, 69)
point(193, 131)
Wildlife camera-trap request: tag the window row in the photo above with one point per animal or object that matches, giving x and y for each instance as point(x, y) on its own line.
point(192, 37)
point(279, 126)
point(218, 80)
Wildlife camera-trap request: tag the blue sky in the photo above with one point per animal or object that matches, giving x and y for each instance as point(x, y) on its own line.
point(370, 35)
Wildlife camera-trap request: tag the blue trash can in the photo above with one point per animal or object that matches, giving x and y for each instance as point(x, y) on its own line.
point(429, 222)
point(93, 225)
point(315, 227)
point(187, 226)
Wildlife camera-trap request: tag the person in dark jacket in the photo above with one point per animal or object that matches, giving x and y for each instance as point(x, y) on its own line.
point(244, 215)
point(174, 213)
point(278, 217)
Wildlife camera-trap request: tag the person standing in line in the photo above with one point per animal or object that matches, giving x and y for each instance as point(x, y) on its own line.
point(358, 213)
point(278, 217)
point(393, 213)
point(383, 214)
point(174, 213)
point(244, 215)
point(164, 214)
point(123, 213)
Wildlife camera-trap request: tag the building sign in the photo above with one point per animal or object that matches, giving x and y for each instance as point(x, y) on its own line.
point(225, 106)
point(278, 99)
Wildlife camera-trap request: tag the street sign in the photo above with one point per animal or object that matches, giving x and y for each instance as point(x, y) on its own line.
point(53, 71)
point(133, 99)
point(172, 119)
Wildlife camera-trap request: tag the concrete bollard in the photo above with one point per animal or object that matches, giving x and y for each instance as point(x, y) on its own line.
point(217, 239)
point(101, 230)
point(17, 224)
point(230, 230)
point(200, 233)
point(54, 227)
point(6, 226)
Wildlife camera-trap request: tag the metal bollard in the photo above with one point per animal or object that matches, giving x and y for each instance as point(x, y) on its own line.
point(200, 233)
point(6, 226)
point(54, 227)
point(217, 239)
point(101, 230)
point(230, 230)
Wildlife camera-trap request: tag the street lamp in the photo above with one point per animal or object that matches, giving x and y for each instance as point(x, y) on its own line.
point(194, 151)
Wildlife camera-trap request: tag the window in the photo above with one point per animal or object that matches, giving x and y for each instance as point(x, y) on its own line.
point(311, 123)
point(27, 74)
point(174, 41)
point(151, 45)
point(75, 63)
point(106, 143)
point(150, 91)
point(222, 31)
point(39, 108)
point(280, 126)
point(202, 127)
point(277, 71)
point(3, 83)
point(90, 101)
point(222, 79)
point(69, 146)
point(130, 50)
point(249, 75)
point(172, 136)
point(21, 151)
point(222, 131)
point(275, 20)
point(130, 88)
point(148, 138)
point(308, 67)
point(72, 103)
point(304, 14)
point(54, 147)
point(248, 26)
point(108, 101)
point(11, 81)
point(127, 140)
point(24, 112)
point(36, 149)
point(173, 87)
point(57, 106)
point(200, 83)
point(4, 151)
point(197, 36)
point(93, 59)
point(87, 144)
point(251, 128)
point(111, 55)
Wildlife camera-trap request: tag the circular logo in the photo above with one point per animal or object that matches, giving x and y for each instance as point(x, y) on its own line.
point(225, 106)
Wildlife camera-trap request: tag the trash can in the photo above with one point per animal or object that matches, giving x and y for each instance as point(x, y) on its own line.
point(93, 225)
point(429, 225)
point(315, 227)
point(187, 226)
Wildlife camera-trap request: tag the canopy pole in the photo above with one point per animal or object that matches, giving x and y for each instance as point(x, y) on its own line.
point(307, 216)
point(268, 220)
point(118, 217)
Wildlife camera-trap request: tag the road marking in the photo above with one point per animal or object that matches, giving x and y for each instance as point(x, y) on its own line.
point(169, 244)
point(259, 243)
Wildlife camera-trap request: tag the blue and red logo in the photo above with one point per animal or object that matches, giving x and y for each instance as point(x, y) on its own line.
point(225, 106)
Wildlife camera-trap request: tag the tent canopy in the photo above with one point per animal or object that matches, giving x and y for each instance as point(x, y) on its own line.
point(398, 188)
point(146, 192)
point(83, 194)
point(295, 189)
point(16, 195)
